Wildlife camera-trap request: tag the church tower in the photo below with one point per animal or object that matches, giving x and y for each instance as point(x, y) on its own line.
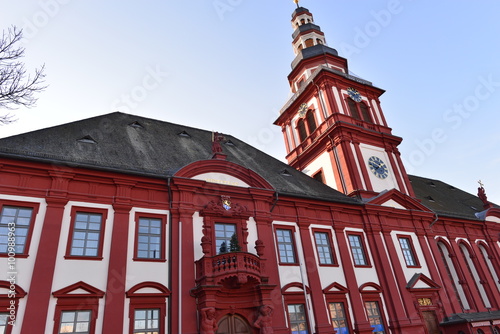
point(333, 125)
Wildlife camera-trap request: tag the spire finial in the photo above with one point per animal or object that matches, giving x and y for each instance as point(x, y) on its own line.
point(296, 2)
point(481, 193)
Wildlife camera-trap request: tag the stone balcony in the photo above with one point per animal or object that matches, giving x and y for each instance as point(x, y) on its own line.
point(230, 269)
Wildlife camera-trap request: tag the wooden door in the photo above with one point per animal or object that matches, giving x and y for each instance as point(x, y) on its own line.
point(431, 322)
point(233, 324)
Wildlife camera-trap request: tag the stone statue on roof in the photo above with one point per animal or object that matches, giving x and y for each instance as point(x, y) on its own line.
point(216, 139)
point(481, 193)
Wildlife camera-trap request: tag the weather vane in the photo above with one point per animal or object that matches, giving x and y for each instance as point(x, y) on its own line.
point(296, 2)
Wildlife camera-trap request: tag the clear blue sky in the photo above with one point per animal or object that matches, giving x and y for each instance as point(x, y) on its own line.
point(221, 65)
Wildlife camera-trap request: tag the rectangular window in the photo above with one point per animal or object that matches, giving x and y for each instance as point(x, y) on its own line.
point(75, 322)
point(373, 311)
point(86, 237)
point(15, 222)
point(147, 321)
point(3, 322)
point(324, 248)
point(223, 235)
point(407, 249)
point(286, 248)
point(298, 321)
point(337, 314)
point(357, 250)
point(149, 238)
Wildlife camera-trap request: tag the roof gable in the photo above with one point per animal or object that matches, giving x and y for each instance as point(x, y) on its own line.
point(395, 199)
point(79, 289)
point(420, 282)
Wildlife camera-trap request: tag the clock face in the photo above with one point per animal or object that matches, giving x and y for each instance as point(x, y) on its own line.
point(378, 167)
point(354, 94)
point(303, 109)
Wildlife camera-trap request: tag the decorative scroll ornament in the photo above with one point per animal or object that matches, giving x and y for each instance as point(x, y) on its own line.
point(225, 207)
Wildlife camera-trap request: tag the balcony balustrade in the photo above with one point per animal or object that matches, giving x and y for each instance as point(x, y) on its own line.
point(233, 267)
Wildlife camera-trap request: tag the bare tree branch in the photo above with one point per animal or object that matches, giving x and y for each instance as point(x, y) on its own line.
point(17, 88)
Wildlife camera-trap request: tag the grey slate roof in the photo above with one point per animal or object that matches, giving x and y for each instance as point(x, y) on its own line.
point(446, 200)
point(471, 317)
point(136, 145)
point(313, 51)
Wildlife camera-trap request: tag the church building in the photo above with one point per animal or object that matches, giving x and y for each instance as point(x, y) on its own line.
point(125, 224)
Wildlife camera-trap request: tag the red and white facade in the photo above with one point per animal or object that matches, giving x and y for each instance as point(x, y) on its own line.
point(108, 251)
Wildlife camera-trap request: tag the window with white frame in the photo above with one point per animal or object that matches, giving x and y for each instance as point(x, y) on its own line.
point(374, 316)
point(15, 222)
point(357, 250)
point(3, 322)
point(286, 247)
point(86, 234)
point(75, 322)
point(223, 235)
point(149, 238)
point(338, 316)
point(298, 320)
point(408, 253)
point(324, 248)
point(146, 321)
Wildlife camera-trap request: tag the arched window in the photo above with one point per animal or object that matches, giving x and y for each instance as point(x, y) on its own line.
point(488, 260)
point(295, 301)
point(452, 274)
point(301, 127)
point(147, 310)
point(365, 112)
point(10, 294)
point(472, 268)
point(319, 41)
point(373, 307)
point(311, 121)
point(353, 108)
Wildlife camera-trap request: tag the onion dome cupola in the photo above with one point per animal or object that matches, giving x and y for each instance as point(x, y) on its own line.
point(306, 33)
point(310, 48)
